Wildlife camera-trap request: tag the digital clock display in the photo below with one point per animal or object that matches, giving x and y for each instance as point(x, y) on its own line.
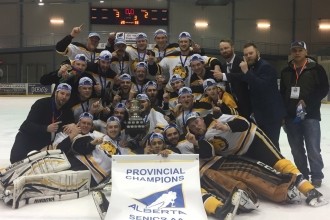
point(128, 16)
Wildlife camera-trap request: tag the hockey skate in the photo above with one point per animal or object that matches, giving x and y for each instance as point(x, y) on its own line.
point(229, 209)
point(247, 204)
point(315, 198)
point(101, 203)
point(293, 195)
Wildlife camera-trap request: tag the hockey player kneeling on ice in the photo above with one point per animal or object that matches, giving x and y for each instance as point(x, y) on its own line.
point(40, 178)
point(93, 151)
point(234, 135)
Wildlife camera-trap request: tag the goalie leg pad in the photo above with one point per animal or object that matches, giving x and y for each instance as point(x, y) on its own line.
point(48, 187)
point(51, 161)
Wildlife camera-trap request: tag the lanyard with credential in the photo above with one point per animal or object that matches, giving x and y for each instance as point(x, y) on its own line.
point(141, 58)
point(55, 113)
point(298, 74)
point(185, 60)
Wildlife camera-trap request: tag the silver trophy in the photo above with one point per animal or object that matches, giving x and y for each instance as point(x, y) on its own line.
point(135, 124)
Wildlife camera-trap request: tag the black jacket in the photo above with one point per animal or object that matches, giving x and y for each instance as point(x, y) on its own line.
point(238, 88)
point(314, 86)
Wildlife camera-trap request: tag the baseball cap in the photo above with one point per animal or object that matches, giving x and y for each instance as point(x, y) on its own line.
point(113, 118)
point(149, 83)
point(141, 64)
point(120, 105)
point(142, 96)
point(184, 90)
point(196, 57)
point(93, 34)
point(300, 44)
point(156, 135)
point(81, 57)
point(176, 77)
point(105, 55)
point(85, 81)
point(86, 115)
point(141, 36)
point(172, 125)
point(120, 41)
point(64, 86)
point(209, 82)
point(190, 116)
point(184, 35)
point(160, 31)
point(125, 76)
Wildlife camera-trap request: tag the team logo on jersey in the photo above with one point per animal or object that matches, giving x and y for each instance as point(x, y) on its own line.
point(169, 198)
point(219, 143)
point(181, 71)
point(109, 148)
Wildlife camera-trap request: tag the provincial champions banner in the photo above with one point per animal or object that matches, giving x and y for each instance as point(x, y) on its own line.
point(150, 187)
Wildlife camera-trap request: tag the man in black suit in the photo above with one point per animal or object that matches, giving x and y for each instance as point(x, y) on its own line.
point(232, 76)
point(266, 101)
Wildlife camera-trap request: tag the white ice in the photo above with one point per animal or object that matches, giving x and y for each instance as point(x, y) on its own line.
point(13, 111)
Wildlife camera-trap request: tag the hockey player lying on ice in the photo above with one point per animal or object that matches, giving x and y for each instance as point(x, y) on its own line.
point(234, 135)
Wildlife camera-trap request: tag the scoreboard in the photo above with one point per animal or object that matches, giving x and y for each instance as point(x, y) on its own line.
point(128, 16)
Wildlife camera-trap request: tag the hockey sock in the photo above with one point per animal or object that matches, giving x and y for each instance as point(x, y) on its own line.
point(211, 203)
point(286, 166)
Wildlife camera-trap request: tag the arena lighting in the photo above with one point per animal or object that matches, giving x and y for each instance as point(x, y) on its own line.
point(324, 26)
point(201, 24)
point(263, 25)
point(101, 2)
point(56, 21)
point(40, 3)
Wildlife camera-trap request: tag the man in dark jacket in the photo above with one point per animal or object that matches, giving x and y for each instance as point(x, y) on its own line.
point(304, 83)
point(232, 76)
point(266, 101)
point(46, 117)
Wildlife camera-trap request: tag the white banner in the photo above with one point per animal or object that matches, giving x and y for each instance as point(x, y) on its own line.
point(150, 187)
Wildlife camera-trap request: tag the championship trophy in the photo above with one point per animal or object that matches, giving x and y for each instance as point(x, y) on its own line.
point(135, 124)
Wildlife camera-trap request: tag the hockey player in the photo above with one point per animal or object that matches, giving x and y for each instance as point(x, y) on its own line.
point(70, 49)
point(46, 117)
point(234, 135)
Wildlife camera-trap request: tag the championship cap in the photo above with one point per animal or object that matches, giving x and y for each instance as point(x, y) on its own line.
point(196, 57)
point(85, 81)
point(149, 83)
point(172, 125)
point(93, 34)
point(208, 83)
point(156, 135)
point(120, 38)
point(185, 90)
point(81, 57)
point(125, 76)
point(190, 116)
point(120, 105)
point(184, 35)
point(300, 44)
point(140, 36)
point(64, 86)
point(141, 64)
point(176, 77)
point(142, 96)
point(86, 115)
point(105, 55)
point(160, 31)
point(113, 118)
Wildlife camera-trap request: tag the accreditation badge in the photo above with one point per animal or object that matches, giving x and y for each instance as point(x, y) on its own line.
point(295, 91)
